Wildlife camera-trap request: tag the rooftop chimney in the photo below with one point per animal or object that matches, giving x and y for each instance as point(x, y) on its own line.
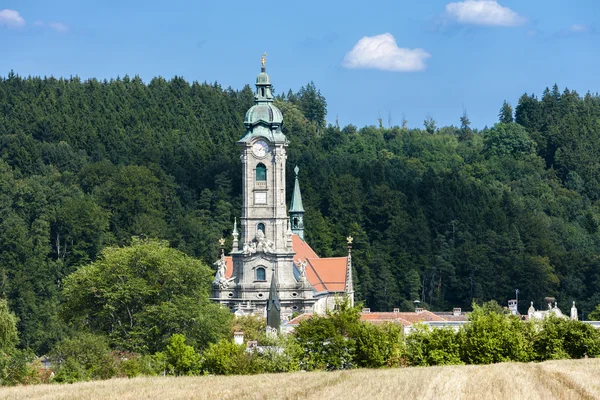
point(366, 310)
point(396, 310)
point(456, 311)
point(419, 310)
point(512, 307)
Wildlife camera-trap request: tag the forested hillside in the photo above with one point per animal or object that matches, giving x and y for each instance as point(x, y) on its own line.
point(444, 215)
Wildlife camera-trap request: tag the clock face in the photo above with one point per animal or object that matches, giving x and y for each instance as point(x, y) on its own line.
point(260, 148)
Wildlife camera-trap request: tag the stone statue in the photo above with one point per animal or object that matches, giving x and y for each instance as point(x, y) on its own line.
point(221, 267)
point(302, 268)
point(221, 276)
point(262, 244)
point(263, 60)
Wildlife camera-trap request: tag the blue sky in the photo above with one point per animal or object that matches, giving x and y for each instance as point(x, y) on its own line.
point(369, 59)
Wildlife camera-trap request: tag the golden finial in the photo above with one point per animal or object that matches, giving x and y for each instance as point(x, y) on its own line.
point(222, 242)
point(349, 239)
point(263, 59)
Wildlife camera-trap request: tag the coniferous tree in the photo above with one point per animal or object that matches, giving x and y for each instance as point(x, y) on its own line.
point(505, 115)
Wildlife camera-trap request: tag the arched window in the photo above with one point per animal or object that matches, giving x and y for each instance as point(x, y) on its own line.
point(262, 92)
point(261, 227)
point(261, 172)
point(296, 222)
point(261, 274)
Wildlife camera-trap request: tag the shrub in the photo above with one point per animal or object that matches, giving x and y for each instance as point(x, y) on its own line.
point(181, 359)
point(8, 328)
point(324, 347)
point(426, 346)
point(253, 326)
point(18, 367)
point(377, 345)
point(493, 336)
point(559, 338)
point(225, 358)
point(84, 356)
point(71, 371)
point(327, 341)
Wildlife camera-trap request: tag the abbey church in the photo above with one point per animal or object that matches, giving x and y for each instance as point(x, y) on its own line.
point(268, 245)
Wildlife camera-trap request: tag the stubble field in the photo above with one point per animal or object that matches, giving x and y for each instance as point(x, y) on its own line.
point(569, 379)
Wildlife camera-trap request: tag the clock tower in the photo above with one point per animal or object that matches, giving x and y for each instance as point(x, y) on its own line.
point(264, 250)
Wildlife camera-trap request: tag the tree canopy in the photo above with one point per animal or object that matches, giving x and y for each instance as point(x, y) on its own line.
point(444, 215)
point(142, 294)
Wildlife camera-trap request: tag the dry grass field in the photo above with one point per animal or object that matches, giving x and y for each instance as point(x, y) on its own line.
point(577, 379)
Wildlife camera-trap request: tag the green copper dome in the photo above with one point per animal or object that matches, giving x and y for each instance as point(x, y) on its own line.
point(265, 112)
point(263, 79)
point(263, 119)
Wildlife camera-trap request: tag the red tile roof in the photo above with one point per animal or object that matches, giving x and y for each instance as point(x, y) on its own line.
point(449, 316)
point(327, 274)
point(302, 249)
point(299, 318)
point(405, 318)
point(324, 274)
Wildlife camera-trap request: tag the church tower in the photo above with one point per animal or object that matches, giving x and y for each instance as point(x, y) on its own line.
point(265, 236)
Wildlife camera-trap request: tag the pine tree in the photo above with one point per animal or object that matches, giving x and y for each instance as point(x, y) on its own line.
point(505, 115)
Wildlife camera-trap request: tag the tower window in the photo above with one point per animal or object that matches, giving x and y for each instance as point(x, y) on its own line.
point(261, 274)
point(261, 172)
point(261, 227)
point(295, 222)
point(262, 92)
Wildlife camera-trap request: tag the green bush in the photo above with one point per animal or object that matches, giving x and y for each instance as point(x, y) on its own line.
point(8, 328)
point(180, 358)
point(426, 346)
point(18, 367)
point(493, 336)
point(323, 345)
point(378, 345)
point(226, 358)
point(326, 341)
point(559, 338)
point(71, 371)
point(84, 356)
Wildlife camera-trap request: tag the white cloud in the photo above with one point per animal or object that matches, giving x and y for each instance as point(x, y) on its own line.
point(58, 26)
point(579, 28)
point(382, 52)
point(483, 12)
point(11, 18)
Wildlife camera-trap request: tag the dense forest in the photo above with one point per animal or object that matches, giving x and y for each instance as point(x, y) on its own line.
point(444, 215)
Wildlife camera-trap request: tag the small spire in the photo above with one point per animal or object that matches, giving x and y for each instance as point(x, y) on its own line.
point(235, 234)
point(296, 209)
point(273, 305)
point(296, 205)
point(349, 288)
